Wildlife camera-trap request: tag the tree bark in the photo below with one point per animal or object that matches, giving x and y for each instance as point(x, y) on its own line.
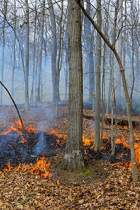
point(118, 88)
point(73, 158)
point(26, 104)
point(34, 53)
point(3, 47)
point(38, 97)
point(89, 52)
point(53, 50)
point(14, 49)
point(59, 60)
point(97, 140)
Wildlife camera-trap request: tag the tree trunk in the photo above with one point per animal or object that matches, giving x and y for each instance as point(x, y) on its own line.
point(89, 52)
point(38, 97)
point(133, 51)
point(53, 50)
point(59, 60)
point(118, 88)
point(66, 74)
point(113, 139)
point(26, 105)
point(14, 49)
point(34, 53)
point(3, 47)
point(97, 140)
point(73, 158)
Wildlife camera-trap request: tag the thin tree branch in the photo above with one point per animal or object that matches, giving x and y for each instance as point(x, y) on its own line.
point(15, 106)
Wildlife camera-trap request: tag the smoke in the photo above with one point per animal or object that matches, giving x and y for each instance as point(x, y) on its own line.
point(40, 147)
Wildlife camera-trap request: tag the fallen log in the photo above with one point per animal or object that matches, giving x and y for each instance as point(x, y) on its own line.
point(121, 122)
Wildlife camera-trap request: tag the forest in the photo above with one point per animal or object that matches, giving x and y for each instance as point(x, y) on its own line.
point(69, 104)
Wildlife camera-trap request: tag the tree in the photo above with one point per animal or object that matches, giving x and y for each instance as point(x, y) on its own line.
point(34, 52)
point(53, 49)
point(119, 12)
point(26, 105)
point(73, 158)
point(40, 53)
point(59, 60)
point(97, 140)
point(14, 49)
point(3, 45)
point(122, 70)
point(89, 52)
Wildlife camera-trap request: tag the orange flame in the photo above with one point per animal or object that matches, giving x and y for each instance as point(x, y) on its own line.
point(39, 168)
point(29, 129)
point(87, 142)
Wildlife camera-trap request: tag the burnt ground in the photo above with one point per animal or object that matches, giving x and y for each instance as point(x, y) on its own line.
point(101, 186)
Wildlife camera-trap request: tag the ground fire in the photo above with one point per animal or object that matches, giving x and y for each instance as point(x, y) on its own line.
point(24, 152)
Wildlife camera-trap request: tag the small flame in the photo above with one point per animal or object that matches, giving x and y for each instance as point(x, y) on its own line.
point(39, 168)
point(87, 142)
point(18, 129)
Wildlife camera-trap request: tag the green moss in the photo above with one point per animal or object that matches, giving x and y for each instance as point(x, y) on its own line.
point(85, 173)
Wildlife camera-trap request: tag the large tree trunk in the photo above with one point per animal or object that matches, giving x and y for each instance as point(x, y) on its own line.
point(73, 158)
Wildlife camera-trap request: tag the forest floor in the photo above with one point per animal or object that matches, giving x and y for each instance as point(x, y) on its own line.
point(102, 186)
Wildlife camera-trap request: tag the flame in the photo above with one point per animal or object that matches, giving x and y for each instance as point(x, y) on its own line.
point(18, 123)
point(18, 129)
point(87, 142)
point(109, 116)
point(58, 183)
point(41, 167)
point(31, 129)
point(59, 136)
point(55, 132)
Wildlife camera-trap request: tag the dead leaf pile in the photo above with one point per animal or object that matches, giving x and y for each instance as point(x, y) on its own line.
point(20, 189)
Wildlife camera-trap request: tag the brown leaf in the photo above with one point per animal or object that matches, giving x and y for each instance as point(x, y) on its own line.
point(81, 202)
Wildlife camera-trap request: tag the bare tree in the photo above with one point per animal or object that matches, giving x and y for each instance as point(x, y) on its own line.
point(73, 158)
point(34, 51)
point(60, 54)
point(97, 140)
point(89, 52)
point(14, 49)
point(119, 12)
point(53, 49)
point(122, 70)
point(40, 53)
point(3, 44)
point(26, 104)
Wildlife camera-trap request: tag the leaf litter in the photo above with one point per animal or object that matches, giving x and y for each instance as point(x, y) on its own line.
point(101, 187)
